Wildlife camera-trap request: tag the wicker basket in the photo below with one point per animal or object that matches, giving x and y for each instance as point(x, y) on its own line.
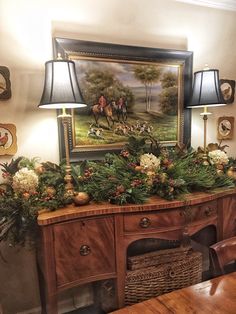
point(143, 284)
point(157, 257)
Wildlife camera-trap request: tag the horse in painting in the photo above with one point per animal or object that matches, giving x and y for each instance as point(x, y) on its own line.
point(107, 113)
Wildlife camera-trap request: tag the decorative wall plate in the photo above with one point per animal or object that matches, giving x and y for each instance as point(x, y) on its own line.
point(225, 128)
point(228, 90)
point(8, 141)
point(5, 84)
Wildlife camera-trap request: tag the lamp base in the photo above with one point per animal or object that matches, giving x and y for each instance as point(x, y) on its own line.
point(205, 114)
point(65, 118)
point(205, 160)
point(68, 179)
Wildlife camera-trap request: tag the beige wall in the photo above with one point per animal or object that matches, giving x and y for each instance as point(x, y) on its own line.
point(26, 30)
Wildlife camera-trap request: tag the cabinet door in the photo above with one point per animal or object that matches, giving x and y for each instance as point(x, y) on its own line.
point(227, 217)
point(84, 249)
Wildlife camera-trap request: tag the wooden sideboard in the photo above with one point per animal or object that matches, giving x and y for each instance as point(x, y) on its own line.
point(80, 245)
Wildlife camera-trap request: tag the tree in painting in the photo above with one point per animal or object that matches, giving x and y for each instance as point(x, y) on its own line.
point(169, 94)
point(97, 82)
point(148, 75)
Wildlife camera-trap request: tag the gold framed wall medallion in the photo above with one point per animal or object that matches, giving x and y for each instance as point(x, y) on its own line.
point(8, 140)
point(225, 128)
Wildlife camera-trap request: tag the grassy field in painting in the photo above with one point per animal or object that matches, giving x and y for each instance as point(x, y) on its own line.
point(164, 128)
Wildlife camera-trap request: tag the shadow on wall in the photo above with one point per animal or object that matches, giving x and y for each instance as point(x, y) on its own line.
point(19, 280)
point(19, 286)
point(145, 39)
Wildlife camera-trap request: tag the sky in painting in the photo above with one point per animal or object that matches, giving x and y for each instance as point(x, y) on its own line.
point(122, 71)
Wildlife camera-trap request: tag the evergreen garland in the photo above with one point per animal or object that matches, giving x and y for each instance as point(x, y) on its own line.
point(19, 211)
point(142, 168)
point(114, 180)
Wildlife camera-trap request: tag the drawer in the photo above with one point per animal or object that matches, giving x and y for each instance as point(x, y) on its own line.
point(151, 221)
point(84, 249)
point(169, 218)
point(202, 211)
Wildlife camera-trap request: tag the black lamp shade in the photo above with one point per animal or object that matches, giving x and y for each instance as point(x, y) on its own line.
point(206, 89)
point(61, 89)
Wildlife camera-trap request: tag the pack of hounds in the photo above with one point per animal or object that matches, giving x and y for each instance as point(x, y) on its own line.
point(115, 111)
point(123, 129)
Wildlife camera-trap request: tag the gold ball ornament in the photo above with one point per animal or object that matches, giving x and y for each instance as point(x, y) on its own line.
point(170, 165)
point(206, 163)
point(40, 169)
point(26, 195)
point(81, 198)
point(50, 190)
point(150, 173)
point(231, 172)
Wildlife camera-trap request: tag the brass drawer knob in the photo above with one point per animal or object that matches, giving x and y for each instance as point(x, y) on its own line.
point(144, 222)
point(85, 250)
point(171, 273)
point(208, 211)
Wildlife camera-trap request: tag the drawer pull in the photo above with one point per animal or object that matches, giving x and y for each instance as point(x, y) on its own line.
point(208, 211)
point(85, 250)
point(144, 222)
point(172, 273)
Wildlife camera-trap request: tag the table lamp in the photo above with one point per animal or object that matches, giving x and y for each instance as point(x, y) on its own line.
point(61, 91)
point(206, 93)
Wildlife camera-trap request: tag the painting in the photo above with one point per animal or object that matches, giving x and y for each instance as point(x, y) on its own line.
point(8, 141)
point(228, 90)
point(129, 91)
point(5, 84)
point(225, 128)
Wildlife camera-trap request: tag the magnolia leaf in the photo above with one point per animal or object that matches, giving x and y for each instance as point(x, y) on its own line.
point(200, 150)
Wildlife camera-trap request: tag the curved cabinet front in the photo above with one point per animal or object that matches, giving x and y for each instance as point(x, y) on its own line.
point(80, 250)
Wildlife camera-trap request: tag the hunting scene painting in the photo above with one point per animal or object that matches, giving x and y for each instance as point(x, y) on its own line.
point(126, 98)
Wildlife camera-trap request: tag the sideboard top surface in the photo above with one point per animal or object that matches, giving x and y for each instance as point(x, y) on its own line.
point(46, 217)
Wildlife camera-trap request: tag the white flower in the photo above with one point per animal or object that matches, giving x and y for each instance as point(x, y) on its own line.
point(218, 157)
point(25, 180)
point(150, 162)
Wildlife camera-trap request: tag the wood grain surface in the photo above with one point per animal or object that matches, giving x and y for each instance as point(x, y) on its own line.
point(153, 203)
point(216, 296)
point(80, 250)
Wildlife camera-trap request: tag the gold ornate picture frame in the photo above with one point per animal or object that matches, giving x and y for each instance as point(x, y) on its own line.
point(91, 139)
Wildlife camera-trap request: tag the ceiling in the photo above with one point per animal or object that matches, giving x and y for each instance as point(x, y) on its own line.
point(218, 4)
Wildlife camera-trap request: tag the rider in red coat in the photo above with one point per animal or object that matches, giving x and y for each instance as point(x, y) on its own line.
point(102, 102)
point(121, 103)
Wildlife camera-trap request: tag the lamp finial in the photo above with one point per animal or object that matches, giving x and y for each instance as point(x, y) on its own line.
point(59, 57)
